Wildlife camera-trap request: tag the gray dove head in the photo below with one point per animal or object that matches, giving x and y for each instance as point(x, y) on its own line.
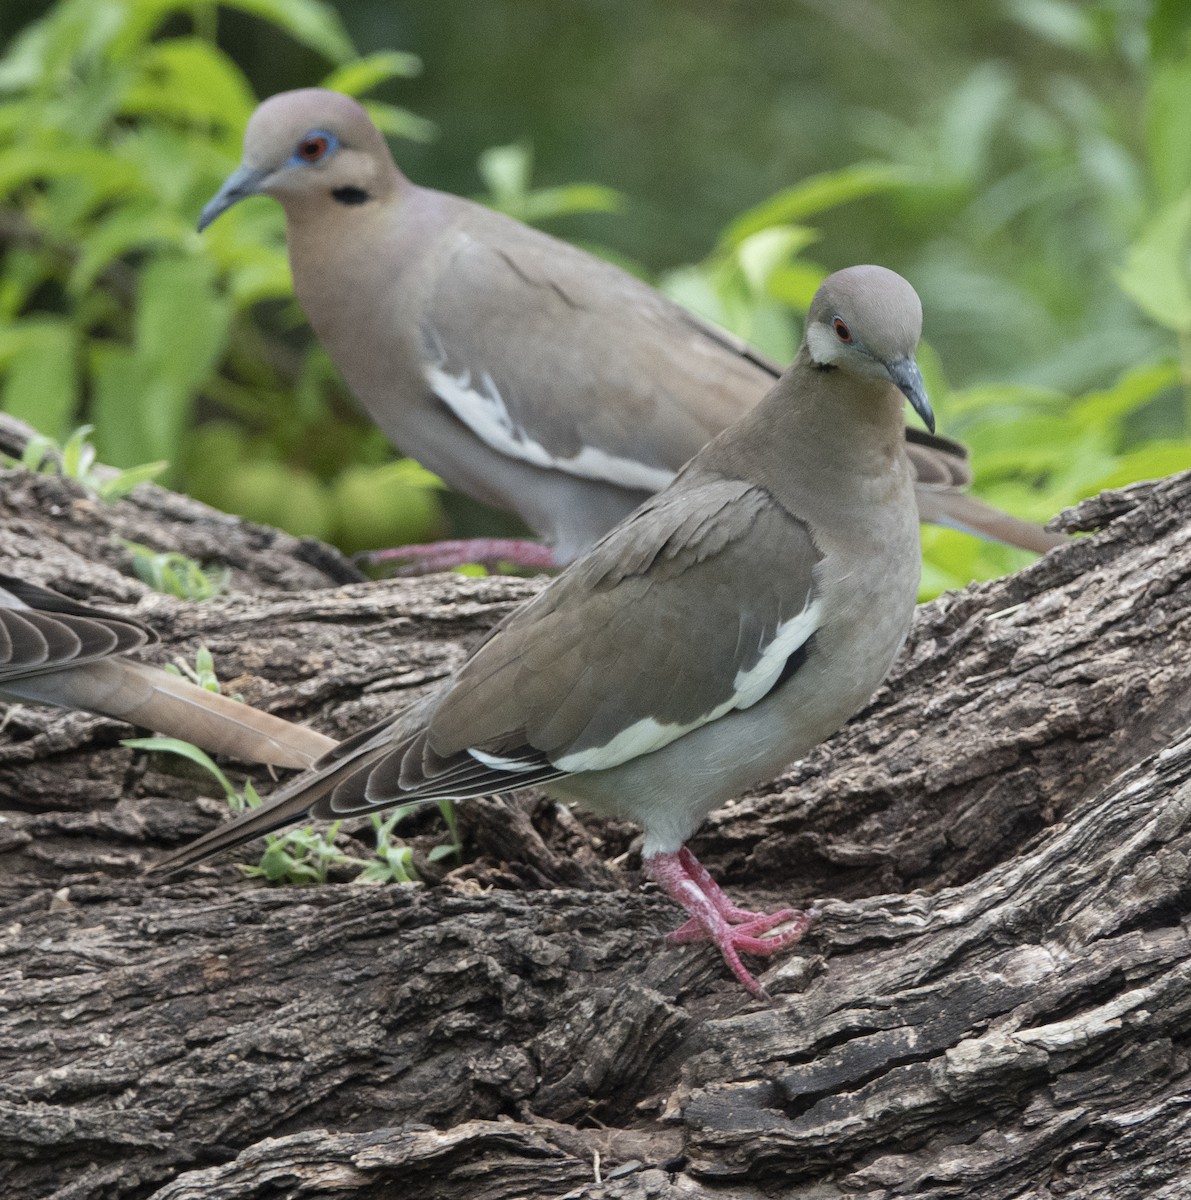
point(866, 321)
point(308, 147)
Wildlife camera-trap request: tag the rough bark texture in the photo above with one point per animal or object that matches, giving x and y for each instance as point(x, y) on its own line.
point(995, 1003)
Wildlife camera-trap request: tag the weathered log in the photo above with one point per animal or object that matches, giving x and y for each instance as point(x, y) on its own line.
point(995, 1002)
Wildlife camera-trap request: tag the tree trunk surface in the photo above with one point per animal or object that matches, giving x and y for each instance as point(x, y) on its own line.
point(995, 1002)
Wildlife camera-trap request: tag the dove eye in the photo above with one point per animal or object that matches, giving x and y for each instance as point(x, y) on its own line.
point(311, 149)
point(841, 330)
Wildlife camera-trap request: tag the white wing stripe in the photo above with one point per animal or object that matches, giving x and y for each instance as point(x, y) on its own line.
point(648, 734)
point(496, 763)
point(482, 409)
point(753, 684)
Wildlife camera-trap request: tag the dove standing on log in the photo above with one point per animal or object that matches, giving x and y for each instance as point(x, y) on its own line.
point(524, 372)
point(56, 651)
point(735, 620)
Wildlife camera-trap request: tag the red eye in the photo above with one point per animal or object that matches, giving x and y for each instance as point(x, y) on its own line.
point(312, 149)
point(841, 330)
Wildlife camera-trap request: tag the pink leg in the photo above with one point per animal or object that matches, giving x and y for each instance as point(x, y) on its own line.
point(714, 918)
point(712, 890)
point(442, 556)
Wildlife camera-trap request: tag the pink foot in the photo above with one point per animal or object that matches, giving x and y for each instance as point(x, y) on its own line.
point(715, 918)
point(443, 556)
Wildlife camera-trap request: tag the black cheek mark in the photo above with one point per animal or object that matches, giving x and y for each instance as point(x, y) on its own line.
point(793, 663)
point(350, 195)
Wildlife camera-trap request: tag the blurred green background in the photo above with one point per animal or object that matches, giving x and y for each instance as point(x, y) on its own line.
point(1026, 163)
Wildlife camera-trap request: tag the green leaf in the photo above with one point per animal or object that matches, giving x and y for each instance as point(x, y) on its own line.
point(174, 574)
point(1133, 391)
point(451, 817)
point(168, 745)
point(143, 397)
point(1155, 274)
point(78, 454)
point(1168, 127)
point(25, 271)
point(308, 22)
point(189, 79)
point(399, 122)
point(39, 452)
point(1154, 460)
point(130, 227)
point(693, 288)
point(104, 173)
point(544, 203)
point(1056, 21)
point(121, 384)
point(506, 172)
point(361, 76)
point(762, 253)
point(41, 385)
point(181, 320)
point(815, 195)
point(795, 284)
point(1169, 27)
point(25, 63)
point(119, 485)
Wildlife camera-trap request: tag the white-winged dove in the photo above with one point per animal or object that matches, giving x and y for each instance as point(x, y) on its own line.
point(525, 372)
point(56, 651)
point(735, 620)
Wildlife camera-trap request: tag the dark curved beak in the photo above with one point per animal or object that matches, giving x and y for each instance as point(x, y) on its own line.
point(244, 181)
point(908, 377)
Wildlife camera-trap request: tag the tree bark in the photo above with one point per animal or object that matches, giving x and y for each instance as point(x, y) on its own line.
point(995, 1003)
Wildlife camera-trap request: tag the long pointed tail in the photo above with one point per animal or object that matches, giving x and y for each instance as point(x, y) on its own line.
point(145, 695)
point(288, 804)
point(958, 510)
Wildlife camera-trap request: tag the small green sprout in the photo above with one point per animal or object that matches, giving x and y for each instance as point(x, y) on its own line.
point(202, 673)
point(297, 856)
point(307, 854)
point(455, 846)
point(394, 861)
point(174, 574)
point(302, 855)
point(75, 459)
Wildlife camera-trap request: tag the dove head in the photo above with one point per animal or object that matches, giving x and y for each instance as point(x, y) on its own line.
point(309, 148)
point(865, 321)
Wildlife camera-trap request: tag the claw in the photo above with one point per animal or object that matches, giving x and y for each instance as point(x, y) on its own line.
point(714, 918)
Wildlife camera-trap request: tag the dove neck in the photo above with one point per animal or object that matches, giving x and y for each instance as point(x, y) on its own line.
point(819, 433)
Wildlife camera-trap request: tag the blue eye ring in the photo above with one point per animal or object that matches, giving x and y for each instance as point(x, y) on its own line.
point(315, 146)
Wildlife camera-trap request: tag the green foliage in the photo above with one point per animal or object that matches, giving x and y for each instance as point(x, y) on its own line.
point(302, 855)
point(201, 672)
point(118, 120)
point(307, 854)
point(75, 459)
point(176, 575)
point(394, 862)
point(1039, 442)
point(1038, 197)
point(169, 745)
point(507, 172)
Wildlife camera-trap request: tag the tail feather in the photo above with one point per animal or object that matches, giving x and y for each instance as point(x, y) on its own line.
point(937, 460)
point(289, 804)
point(941, 472)
point(144, 695)
point(959, 510)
